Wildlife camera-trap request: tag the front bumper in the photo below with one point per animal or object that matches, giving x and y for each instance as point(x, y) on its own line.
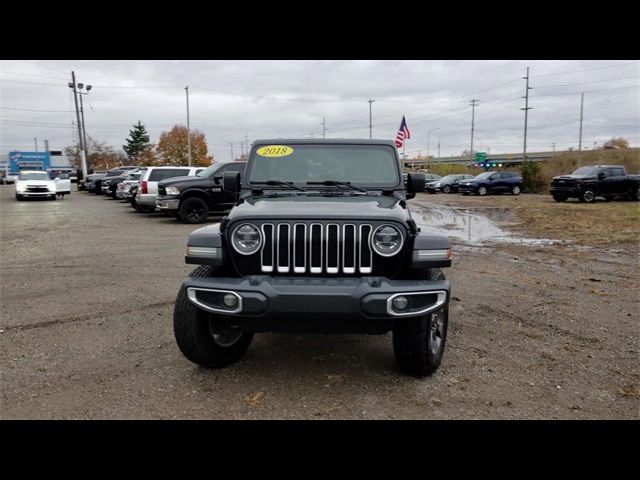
point(167, 203)
point(571, 191)
point(321, 305)
point(467, 188)
point(35, 194)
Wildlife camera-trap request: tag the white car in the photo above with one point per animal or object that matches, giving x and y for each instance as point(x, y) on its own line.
point(63, 185)
point(35, 183)
point(148, 186)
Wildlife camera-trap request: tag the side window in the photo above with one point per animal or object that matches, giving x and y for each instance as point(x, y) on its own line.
point(198, 171)
point(617, 172)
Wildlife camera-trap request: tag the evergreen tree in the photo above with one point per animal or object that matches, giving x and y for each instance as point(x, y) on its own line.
point(137, 142)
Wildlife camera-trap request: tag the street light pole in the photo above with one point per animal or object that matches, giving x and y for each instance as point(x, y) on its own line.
point(189, 129)
point(84, 131)
point(429, 141)
point(370, 119)
point(83, 157)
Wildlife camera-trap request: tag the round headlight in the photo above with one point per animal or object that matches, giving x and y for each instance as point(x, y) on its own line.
point(172, 191)
point(246, 239)
point(386, 240)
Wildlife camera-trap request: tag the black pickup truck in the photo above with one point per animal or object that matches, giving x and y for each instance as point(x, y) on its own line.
point(587, 183)
point(191, 199)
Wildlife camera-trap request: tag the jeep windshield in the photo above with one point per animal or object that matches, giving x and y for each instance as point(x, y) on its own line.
point(308, 165)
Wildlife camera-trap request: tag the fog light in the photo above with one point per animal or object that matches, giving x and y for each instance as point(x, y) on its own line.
point(400, 303)
point(230, 300)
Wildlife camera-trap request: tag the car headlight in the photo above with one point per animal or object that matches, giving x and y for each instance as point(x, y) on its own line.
point(246, 239)
point(386, 240)
point(438, 184)
point(20, 187)
point(172, 191)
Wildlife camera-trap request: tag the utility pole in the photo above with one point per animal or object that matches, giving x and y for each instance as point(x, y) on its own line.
point(553, 146)
point(189, 129)
point(231, 144)
point(580, 140)
point(438, 147)
point(370, 119)
point(324, 128)
point(246, 141)
point(83, 157)
point(36, 142)
point(526, 112)
point(473, 104)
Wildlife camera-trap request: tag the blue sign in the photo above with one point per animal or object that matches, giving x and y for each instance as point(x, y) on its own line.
point(28, 161)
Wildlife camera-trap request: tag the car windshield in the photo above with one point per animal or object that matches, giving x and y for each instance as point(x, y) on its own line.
point(586, 171)
point(483, 175)
point(367, 165)
point(210, 171)
point(34, 176)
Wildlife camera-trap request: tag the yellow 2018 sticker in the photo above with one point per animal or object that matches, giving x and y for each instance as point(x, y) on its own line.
point(274, 151)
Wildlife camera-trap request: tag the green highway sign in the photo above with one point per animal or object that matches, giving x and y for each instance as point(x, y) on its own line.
point(481, 157)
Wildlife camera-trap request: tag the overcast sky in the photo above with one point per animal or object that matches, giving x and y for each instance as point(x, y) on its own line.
point(266, 99)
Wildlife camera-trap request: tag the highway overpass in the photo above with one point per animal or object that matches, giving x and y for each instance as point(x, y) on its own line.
point(504, 158)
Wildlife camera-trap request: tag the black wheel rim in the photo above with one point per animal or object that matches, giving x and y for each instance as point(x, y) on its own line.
point(588, 196)
point(195, 212)
point(224, 334)
point(436, 333)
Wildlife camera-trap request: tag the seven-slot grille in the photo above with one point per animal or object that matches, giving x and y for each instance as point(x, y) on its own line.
point(316, 248)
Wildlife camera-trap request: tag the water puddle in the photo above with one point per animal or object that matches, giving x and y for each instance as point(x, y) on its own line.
point(471, 227)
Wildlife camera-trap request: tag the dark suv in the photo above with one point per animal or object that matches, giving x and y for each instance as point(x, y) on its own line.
point(492, 182)
point(587, 183)
point(320, 240)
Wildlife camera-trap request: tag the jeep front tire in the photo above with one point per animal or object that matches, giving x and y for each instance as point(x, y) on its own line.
point(206, 338)
point(418, 343)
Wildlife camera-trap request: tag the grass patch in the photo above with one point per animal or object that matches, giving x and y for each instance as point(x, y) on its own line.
point(598, 223)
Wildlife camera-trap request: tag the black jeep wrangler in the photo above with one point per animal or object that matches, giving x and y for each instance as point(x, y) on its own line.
point(320, 240)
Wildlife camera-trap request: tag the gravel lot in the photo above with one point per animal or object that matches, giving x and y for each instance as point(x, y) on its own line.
point(87, 290)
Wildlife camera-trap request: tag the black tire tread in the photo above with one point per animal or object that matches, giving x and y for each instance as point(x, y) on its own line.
point(191, 330)
point(410, 339)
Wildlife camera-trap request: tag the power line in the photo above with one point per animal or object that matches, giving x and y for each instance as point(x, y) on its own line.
point(591, 81)
point(586, 69)
point(32, 75)
point(42, 111)
point(586, 91)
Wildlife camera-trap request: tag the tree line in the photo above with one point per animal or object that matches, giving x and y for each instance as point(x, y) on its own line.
point(171, 149)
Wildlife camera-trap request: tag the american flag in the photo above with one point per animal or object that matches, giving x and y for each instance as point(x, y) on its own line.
point(403, 133)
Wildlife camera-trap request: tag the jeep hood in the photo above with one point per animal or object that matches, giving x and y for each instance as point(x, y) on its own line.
point(320, 207)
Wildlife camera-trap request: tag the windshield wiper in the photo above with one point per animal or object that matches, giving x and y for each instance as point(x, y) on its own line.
point(279, 183)
point(330, 183)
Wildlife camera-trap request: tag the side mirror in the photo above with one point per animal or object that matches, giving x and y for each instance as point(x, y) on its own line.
point(218, 178)
point(602, 175)
point(231, 182)
point(415, 183)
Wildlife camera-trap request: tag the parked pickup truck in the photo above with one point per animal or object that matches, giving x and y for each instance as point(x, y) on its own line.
point(587, 183)
point(191, 199)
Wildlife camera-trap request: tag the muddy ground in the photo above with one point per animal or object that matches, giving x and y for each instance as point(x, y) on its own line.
point(539, 329)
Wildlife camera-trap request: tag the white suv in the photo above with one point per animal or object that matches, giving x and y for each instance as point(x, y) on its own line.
point(35, 183)
point(148, 186)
